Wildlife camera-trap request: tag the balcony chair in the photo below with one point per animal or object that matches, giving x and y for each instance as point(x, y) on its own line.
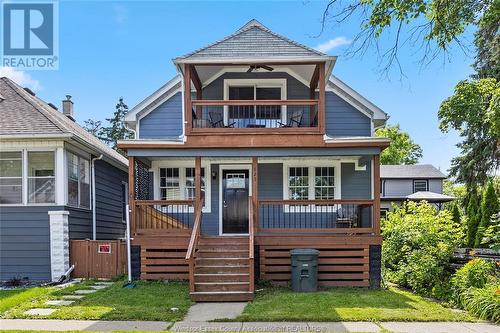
point(217, 121)
point(347, 218)
point(294, 119)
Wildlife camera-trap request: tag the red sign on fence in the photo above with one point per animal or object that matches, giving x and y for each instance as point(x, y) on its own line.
point(104, 248)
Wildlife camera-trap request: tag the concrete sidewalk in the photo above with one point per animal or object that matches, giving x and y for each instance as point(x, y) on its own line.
point(185, 326)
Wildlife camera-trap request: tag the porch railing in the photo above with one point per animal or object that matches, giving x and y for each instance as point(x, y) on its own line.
point(163, 214)
point(339, 216)
point(255, 114)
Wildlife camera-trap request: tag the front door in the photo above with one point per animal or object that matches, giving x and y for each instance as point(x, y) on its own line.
point(235, 191)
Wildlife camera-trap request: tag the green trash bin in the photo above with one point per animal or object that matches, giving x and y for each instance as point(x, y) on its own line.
point(304, 269)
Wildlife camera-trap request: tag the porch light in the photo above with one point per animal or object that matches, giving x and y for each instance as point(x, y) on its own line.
point(214, 175)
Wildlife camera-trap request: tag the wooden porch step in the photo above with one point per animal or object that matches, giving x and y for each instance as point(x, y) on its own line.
point(221, 261)
point(228, 277)
point(221, 269)
point(223, 240)
point(222, 253)
point(221, 286)
point(222, 247)
point(221, 296)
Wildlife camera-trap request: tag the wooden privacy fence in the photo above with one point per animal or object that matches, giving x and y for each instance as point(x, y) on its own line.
point(98, 259)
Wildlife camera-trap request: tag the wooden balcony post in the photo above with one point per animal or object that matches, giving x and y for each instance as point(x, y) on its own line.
point(188, 115)
point(376, 194)
point(312, 93)
point(321, 97)
point(131, 193)
point(255, 191)
point(199, 91)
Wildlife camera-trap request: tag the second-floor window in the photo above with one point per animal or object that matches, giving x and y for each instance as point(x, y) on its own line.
point(420, 185)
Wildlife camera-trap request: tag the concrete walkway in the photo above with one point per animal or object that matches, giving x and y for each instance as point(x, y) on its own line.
point(184, 326)
point(214, 311)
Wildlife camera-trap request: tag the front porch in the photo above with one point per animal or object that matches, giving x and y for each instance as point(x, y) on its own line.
point(221, 223)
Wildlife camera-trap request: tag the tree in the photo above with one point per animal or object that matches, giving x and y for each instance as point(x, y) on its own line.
point(455, 213)
point(402, 149)
point(94, 127)
point(116, 129)
point(469, 111)
point(489, 207)
point(487, 42)
point(429, 25)
point(472, 221)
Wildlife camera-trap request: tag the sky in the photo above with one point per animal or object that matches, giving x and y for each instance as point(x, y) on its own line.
point(112, 49)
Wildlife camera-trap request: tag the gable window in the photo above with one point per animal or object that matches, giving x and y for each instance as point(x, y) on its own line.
point(11, 177)
point(420, 185)
point(78, 169)
point(178, 183)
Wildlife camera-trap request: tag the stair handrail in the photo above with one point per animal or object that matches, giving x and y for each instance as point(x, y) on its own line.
point(251, 255)
point(193, 241)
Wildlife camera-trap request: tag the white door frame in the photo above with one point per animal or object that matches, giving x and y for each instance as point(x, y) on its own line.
point(223, 167)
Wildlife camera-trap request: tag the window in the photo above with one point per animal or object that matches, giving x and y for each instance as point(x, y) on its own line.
point(298, 183)
point(11, 177)
point(420, 185)
point(383, 212)
point(78, 181)
point(41, 177)
point(324, 183)
point(177, 183)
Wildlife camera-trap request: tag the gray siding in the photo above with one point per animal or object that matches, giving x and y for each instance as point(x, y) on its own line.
point(436, 185)
point(342, 119)
point(398, 187)
point(80, 223)
point(163, 122)
point(356, 184)
point(109, 201)
point(270, 181)
point(210, 221)
point(25, 242)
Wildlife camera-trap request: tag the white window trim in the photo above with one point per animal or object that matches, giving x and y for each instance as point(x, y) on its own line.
point(311, 165)
point(182, 165)
point(24, 175)
point(89, 159)
point(260, 83)
point(421, 180)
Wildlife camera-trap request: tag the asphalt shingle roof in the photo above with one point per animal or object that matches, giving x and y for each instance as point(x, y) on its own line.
point(24, 115)
point(253, 40)
point(410, 171)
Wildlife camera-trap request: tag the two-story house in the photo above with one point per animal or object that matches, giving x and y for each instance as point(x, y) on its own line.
point(252, 150)
point(399, 183)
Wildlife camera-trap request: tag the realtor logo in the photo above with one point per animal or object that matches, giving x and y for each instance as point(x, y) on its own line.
point(30, 35)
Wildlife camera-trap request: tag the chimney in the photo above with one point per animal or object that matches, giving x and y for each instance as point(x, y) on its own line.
point(67, 105)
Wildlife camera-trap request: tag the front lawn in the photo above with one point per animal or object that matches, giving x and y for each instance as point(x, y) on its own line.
point(346, 304)
point(147, 301)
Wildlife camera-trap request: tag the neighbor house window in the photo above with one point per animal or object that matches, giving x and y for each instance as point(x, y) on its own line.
point(78, 181)
point(41, 177)
point(420, 185)
point(11, 177)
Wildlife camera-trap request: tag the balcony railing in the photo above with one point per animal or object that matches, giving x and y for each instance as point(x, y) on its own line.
point(255, 114)
point(339, 216)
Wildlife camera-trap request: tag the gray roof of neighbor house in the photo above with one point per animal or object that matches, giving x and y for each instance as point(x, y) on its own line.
point(23, 115)
point(254, 40)
point(410, 171)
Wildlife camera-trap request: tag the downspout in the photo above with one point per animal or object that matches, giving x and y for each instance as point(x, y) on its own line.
point(94, 223)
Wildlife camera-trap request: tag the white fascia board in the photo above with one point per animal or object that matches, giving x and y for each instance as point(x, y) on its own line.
point(329, 139)
point(342, 89)
point(132, 114)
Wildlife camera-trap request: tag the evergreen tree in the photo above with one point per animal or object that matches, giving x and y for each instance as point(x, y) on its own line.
point(489, 207)
point(472, 221)
point(455, 212)
point(117, 130)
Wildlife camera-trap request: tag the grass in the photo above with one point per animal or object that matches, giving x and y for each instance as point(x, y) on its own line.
point(346, 304)
point(12, 297)
point(147, 301)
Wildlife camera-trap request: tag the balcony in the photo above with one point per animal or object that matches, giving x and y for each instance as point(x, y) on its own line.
point(245, 116)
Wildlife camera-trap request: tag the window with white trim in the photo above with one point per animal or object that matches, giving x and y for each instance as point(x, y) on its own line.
point(78, 169)
point(324, 183)
point(177, 183)
point(312, 182)
point(420, 185)
point(11, 177)
point(298, 183)
point(41, 177)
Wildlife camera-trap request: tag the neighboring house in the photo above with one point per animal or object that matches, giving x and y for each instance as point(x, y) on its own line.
point(47, 166)
point(399, 183)
point(252, 150)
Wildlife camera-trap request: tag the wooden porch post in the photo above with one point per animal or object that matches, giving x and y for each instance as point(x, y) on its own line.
point(131, 193)
point(188, 115)
point(321, 105)
point(198, 204)
point(376, 194)
point(255, 191)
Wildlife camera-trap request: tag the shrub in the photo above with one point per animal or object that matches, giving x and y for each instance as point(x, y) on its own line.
point(489, 207)
point(491, 236)
point(474, 274)
point(472, 220)
point(418, 245)
point(483, 302)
